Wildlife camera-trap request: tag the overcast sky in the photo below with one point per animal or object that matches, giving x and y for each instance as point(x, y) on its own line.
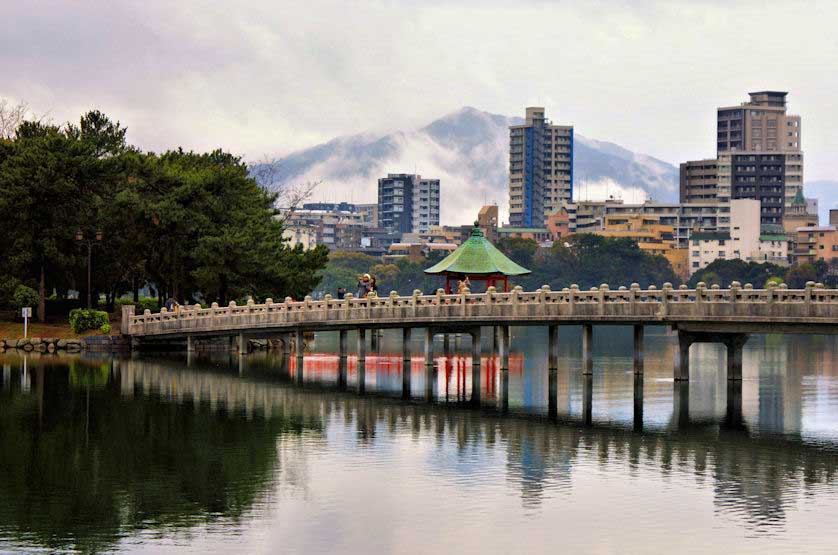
point(275, 76)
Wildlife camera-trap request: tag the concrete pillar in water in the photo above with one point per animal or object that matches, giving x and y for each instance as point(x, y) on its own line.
point(190, 344)
point(429, 347)
point(638, 402)
point(553, 347)
point(406, 362)
point(362, 360)
point(475, 365)
point(734, 345)
point(495, 338)
point(429, 364)
point(682, 357)
point(638, 348)
point(587, 349)
point(503, 356)
point(587, 399)
point(733, 416)
point(343, 346)
point(299, 352)
point(681, 404)
point(242, 344)
point(374, 341)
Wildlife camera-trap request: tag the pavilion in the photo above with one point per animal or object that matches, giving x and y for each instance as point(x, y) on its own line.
point(478, 260)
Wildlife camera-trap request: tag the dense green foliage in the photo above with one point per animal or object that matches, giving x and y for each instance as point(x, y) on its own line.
point(587, 260)
point(404, 275)
point(724, 272)
point(24, 296)
point(194, 226)
point(82, 320)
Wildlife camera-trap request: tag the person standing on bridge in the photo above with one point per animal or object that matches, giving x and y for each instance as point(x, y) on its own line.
point(363, 286)
point(341, 293)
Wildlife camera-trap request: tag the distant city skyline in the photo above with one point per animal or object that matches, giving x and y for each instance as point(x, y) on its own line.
point(278, 78)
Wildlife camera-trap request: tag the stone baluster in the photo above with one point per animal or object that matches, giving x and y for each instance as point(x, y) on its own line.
point(603, 290)
point(571, 297)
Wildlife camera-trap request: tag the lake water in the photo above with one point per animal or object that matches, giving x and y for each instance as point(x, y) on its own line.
point(219, 453)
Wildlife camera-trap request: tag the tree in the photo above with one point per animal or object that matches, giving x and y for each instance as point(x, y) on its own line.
point(797, 276)
point(725, 272)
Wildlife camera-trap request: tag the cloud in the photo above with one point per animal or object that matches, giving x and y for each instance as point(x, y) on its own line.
point(273, 77)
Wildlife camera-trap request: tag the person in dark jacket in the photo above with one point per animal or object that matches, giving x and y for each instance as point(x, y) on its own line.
point(341, 292)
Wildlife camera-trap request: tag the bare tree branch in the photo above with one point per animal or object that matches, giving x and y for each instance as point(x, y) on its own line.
point(11, 116)
point(290, 197)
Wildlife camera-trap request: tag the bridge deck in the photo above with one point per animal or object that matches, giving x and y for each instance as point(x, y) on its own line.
point(737, 309)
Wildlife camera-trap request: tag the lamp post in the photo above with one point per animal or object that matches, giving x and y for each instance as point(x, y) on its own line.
point(89, 243)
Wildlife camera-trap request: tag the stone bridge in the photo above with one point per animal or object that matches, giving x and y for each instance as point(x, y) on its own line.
point(699, 315)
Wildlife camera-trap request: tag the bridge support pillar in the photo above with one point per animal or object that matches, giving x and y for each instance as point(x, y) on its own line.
point(503, 356)
point(503, 348)
point(299, 352)
point(242, 344)
point(587, 399)
point(734, 344)
point(406, 363)
point(446, 344)
point(475, 365)
point(587, 349)
point(553, 347)
point(286, 345)
point(638, 348)
point(638, 402)
point(429, 348)
point(190, 344)
point(362, 360)
point(733, 416)
point(682, 357)
point(375, 340)
point(343, 356)
point(681, 404)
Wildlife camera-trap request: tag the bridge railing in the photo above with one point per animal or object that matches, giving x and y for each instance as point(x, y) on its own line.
point(599, 303)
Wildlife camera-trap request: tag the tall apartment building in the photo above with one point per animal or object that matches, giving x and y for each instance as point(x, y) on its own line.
point(540, 169)
point(758, 147)
point(408, 203)
point(699, 181)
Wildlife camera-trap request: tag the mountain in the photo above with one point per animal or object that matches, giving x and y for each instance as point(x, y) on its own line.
point(468, 151)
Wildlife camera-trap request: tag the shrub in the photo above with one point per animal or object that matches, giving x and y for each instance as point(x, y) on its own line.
point(82, 319)
point(105, 328)
point(25, 296)
point(145, 303)
point(8, 284)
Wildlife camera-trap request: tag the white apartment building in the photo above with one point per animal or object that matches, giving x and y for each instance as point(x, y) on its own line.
point(742, 240)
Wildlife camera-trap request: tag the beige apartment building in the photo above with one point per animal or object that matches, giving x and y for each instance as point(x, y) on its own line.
point(540, 169)
point(759, 156)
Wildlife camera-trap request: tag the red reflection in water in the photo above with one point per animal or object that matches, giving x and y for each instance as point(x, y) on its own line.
point(454, 371)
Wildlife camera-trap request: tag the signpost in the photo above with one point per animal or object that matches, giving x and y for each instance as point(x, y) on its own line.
point(26, 312)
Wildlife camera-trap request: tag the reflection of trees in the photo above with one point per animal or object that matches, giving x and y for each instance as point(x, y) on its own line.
point(753, 476)
point(89, 473)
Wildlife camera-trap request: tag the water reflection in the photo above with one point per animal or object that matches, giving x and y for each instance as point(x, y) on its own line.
point(95, 452)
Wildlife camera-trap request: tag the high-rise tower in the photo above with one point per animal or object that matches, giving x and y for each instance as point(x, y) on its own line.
point(540, 169)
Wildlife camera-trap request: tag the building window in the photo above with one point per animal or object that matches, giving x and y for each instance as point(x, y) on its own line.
point(695, 264)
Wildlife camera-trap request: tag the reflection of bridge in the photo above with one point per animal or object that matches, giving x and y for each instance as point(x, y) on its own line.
point(539, 453)
point(700, 315)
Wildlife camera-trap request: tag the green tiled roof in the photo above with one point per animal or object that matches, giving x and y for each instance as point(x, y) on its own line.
point(477, 256)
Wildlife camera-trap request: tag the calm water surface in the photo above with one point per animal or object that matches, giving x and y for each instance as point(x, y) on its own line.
point(250, 455)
